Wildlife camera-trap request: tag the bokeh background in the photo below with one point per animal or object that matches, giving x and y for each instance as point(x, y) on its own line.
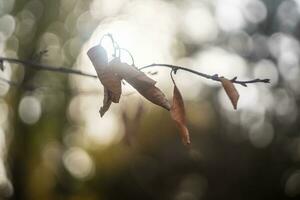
point(54, 145)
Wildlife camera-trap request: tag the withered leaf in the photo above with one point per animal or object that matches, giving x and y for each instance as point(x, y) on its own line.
point(107, 77)
point(106, 102)
point(231, 91)
point(112, 83)
point(142, 83)
point(111, 75)
point(98, 56)
point(154, 95)
point(132, 74)
point(110, 80)
point(178, 115)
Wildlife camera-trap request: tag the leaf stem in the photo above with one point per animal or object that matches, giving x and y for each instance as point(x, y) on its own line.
point(114, 43)
point(127, 51)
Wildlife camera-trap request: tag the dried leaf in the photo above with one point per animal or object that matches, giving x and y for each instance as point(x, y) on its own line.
point(112, 82)
point(106, 102)
point(154, 95)
point(142, 83)
point(132, 74)
point(98, 56)
point(231, 91)
point(178, 115)
point(112, 74)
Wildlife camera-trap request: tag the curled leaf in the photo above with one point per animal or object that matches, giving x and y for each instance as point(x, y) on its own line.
point(112, 81)
point(111, 75)
point(132, 74)
point(109, 79)
point(231, 91)
point(154, 95)
point(106, 102)
point(98, 56)
point(142, 83)
point(178, 115)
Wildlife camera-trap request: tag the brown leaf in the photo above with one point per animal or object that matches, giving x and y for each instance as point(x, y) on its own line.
point(154, 95)
point(178, 115)
point(231, 91)
point(142, 83)
point(106, 102)
point(112, 74)
point(112, 82)
point(108, 78)
point(98, 56)
point(132, 74)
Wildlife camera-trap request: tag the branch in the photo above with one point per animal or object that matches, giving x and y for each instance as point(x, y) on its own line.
point(38, 66)
point(175, 68)
point(214, 77)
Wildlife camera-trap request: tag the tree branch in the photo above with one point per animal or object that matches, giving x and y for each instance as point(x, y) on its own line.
point(38, 66)
point(214, 77)
point(175, 68)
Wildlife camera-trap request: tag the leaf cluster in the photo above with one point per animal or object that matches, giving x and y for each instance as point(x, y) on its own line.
point(112, 73)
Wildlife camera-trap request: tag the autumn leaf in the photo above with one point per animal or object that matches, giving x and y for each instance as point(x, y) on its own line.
point(142, 83)
point(109, 79)
point(112, 73)
point(98, 56)
point(231, 91)
point(106, 75)
point(132, 74)
point(178, 115)
point(112, 82)
point(154, 95)
point(106, 102)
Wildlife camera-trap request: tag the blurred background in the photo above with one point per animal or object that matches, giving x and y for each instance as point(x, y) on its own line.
point(54, 145)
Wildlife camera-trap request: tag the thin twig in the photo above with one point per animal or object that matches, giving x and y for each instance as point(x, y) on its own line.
point(214, 77)
point(129, 53)
point(175, 68)
point(171, 75)
point(112, 41)
point(38, 66)
point(117, 47)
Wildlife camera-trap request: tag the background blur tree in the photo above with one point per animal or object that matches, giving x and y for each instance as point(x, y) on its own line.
point(54, 145)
